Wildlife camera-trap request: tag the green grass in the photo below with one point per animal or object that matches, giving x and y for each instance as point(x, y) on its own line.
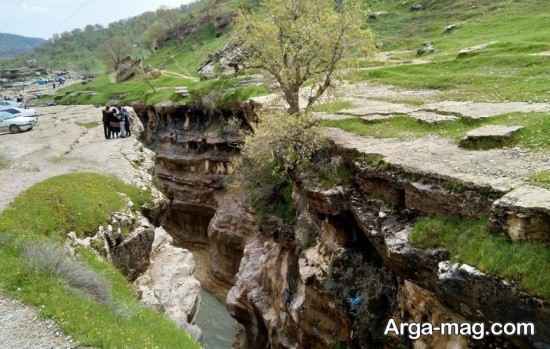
point(505, 71)
point(469, 242)
point(77, 202)
point(535, 135)
point(541, 179)
point(4, 163)
point(187, 57)
point(88, 125)
point(333, 106)
point(123, 324)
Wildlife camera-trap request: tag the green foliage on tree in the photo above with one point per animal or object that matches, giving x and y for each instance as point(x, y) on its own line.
point(302, 42)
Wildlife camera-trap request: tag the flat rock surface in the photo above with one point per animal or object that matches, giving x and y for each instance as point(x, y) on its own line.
point(502, 169)
point(63, 144)
point(370, 106)
point(527, 197)
point(327, 116)
point(432, 117)
point(21, 328)
point(378, 117)
point(493, 131)
point(479, 110)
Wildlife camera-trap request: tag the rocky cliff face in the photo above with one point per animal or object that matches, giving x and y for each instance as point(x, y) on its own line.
point(195, 148)
point(346, 267)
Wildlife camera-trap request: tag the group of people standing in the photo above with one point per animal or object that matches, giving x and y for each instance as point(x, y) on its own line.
point(116, 122)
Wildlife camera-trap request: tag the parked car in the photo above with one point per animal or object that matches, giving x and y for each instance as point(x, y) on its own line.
point(10, 104)
point(16, 122)
point(23, 112)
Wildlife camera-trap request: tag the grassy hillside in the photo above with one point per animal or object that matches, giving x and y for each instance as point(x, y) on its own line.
point(13, 45)
point(511, 68)
point(87, 297)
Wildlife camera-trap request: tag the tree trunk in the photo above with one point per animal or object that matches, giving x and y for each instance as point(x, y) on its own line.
point(293, 100)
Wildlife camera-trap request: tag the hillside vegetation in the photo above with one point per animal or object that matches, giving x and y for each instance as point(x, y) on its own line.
point(86, 296)
point(514, 66)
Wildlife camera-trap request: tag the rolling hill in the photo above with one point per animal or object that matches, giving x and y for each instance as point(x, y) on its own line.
point(12, 45)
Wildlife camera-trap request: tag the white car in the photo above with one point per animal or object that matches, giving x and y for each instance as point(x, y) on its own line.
point(10, 104)
point(16, 122)
point(23, 112)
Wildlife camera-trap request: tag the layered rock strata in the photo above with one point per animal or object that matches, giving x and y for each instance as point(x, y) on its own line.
point(346, 267)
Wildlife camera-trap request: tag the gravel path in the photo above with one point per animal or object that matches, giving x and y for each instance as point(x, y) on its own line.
point(21, 328)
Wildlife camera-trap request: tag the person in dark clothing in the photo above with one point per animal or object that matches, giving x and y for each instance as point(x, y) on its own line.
point(106, 126)
point(126, 121)
point(114, 123)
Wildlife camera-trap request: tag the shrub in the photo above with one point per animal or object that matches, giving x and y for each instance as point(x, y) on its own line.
point(52, 260)
point(279, 152)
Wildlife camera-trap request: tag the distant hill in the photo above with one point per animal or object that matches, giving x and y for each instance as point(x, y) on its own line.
point(13, 45)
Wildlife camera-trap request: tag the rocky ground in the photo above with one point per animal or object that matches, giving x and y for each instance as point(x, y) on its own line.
point(67, 139)
point(503, 169)
point(21, 327)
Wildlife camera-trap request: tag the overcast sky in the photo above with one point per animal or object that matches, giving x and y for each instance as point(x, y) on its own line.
point(43, 18)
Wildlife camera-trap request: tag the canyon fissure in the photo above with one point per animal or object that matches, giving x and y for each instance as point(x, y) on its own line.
point(346, 266)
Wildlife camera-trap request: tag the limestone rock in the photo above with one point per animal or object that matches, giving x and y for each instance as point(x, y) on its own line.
point(377, 14)
point(426, 49)
point(230, 228)
point(276, 307)
point(126, 242)
point(227, 61)
point(131, 254)
point(365, 107)
point(482, 110)
point(524, 214)
point(432, 117)
point(421, 306)
point(492, 136)
point(169, 285)
point(474, 50)
point(127, 69)
point(450, 28)
point(326, 116)
point(330, 201)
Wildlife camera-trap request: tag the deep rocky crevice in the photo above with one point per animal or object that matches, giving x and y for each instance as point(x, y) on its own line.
point(346, 267)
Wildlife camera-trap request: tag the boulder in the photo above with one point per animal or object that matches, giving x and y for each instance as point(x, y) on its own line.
point(426, 49)
point(474, 50)
point(417, 7)
point(169, 284)
point(492, 136)
point(524, 214)
point(450, 28)
point(227, 61)
point(127, 69)
point(375, 15)
point(130, 254)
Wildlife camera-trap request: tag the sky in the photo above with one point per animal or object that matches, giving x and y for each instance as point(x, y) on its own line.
point(43, 18)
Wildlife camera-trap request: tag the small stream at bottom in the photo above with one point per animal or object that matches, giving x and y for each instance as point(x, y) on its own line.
point(218, 327)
